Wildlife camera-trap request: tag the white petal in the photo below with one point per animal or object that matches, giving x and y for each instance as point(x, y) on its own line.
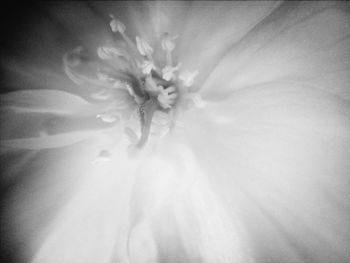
point(103, 156)
point(48, 141)
point(43, 101)
point(197, 100)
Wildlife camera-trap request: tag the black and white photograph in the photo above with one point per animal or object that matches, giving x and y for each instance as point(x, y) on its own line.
point(175, 131)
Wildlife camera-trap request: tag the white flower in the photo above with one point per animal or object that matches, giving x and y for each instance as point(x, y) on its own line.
point(166, 97)
point(147, 67)
point(187, 77)
point(116, 25)
point(143, 47)
point(168, 72)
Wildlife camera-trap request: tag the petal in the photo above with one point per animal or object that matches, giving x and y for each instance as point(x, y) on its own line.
point(103, 94)
point(300, 42)
point(43, 101)
point(229, 22)
point(48, 141)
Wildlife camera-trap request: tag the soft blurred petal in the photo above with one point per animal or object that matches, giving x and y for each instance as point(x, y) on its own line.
point(48, 141)
point(294, 44)
point(44, 101)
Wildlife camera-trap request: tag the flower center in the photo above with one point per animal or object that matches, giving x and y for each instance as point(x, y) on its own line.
point(131, 80)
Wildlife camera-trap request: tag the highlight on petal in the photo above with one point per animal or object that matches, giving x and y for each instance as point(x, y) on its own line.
point(143, 47)
point(104, 156)
point(43, 101)
point(116, 25)
point(109, 118)
point(197, 100)
point(103, 94)
point(48, 141)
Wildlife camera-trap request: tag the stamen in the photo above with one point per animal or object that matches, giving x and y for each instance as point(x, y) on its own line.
point(168, 45)
point(167, 42)
point(143, 47)
point(147, 66)
point(116, 25)
point(166, 97)
point(71, 63)
point(169, 59)
point(131, 81)
point(139, 100)
point(120, 27)
point(168, 72)
point(187, 77)
point(109, 52)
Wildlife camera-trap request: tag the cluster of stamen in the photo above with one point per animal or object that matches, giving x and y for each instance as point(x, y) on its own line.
point(135, 80)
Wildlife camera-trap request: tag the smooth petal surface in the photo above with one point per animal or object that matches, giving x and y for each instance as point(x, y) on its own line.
point(47, 141)
point(44, 101)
